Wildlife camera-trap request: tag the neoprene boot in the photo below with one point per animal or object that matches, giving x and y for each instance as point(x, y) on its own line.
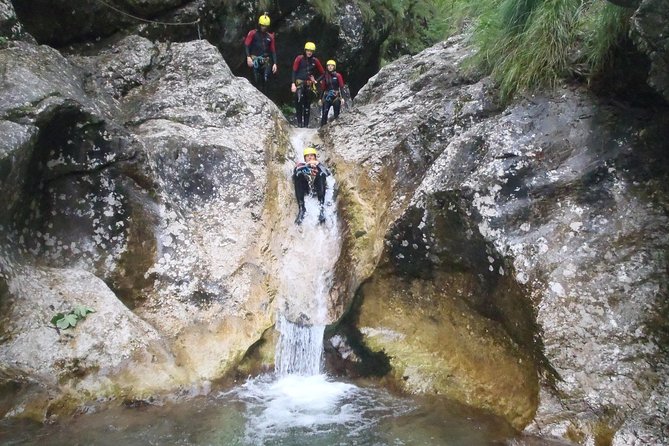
point(300, 213)
point(321, 215)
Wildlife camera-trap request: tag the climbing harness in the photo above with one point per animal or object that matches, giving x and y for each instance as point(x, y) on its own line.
point(331, 96)
point(155, 22)
point(305, 87)
point(258, 62)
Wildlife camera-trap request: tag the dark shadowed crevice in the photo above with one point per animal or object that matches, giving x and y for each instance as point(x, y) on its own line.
point(368, 363)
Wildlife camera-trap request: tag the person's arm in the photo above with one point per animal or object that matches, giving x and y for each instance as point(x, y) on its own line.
point(319, 67)
point(247, 47)
point(324, 170)
point(272, 49)
point(340, 79)
point(296, 66)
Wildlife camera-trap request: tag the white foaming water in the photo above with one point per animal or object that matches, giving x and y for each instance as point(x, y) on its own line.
point(297, 410)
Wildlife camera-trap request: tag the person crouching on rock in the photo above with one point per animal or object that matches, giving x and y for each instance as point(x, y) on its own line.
point(331, 85)
point(305, 66)
point(310, 175)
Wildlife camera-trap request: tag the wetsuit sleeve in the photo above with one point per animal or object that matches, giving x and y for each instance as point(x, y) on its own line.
point(319, 67)
point(340, 78)
point(248, 41)
point(296, 66)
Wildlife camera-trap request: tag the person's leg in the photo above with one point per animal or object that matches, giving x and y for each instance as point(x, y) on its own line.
point(336, 107)
point(319, 185)
point(260, 78)
point(298, 106)
point(256, 76)
point(324, 113)
point(306, 100)
point(301, 188)
point(267, 70)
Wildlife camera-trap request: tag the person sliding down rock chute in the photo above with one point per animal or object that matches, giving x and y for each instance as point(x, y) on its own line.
point(310, 176)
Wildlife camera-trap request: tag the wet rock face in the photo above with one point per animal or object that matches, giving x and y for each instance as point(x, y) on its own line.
point(134, 166)
point(10, 27)
point(59, 23)
point(553, 209)
point(650, 28)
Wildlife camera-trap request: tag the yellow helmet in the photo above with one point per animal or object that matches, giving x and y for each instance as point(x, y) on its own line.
point(263, 20)
point(309, 151)
point(310, 46)
point(331, 62)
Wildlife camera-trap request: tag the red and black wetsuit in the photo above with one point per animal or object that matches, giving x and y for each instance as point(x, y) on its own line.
point(331, 84)
point(304, 70)
point(260, 46)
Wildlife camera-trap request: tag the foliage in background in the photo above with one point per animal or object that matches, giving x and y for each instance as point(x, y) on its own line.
point(528, 44)
point(523, 44)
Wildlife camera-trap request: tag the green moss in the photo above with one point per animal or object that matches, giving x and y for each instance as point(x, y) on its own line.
point(575, 434)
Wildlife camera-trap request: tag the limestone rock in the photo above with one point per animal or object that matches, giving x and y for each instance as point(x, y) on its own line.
point(650, 24)
point(111, 353)
point(10, 27)
point(152, 168)
point(563, 194)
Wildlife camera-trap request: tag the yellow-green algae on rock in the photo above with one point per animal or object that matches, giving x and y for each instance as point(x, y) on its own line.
point(437, 344)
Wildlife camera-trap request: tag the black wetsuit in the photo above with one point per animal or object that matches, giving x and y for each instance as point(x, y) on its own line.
point(331, 85)
point(304, 70)
point(303, 177)
point(260, 46)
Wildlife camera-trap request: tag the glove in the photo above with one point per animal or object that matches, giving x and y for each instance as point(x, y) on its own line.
point(304, 170)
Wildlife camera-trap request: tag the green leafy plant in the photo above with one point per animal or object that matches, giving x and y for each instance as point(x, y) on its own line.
point(64, 321)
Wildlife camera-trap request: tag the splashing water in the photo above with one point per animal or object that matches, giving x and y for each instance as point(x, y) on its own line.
point(297, 410)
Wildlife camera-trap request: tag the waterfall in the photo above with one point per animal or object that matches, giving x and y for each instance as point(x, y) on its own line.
point(309, 253)
point(300, 348)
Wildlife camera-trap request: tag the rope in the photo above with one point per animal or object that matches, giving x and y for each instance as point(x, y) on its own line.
point(196, 22)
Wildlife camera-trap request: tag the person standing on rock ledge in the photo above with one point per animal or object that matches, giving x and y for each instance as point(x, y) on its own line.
point(261, 52)
point(332, 84)
point(305, 66)
point(310, 175)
